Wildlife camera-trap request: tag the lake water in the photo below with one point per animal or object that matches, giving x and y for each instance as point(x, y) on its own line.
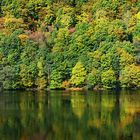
point(61, 115)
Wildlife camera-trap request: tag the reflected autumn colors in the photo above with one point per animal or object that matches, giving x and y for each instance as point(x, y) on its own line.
point(61, 115)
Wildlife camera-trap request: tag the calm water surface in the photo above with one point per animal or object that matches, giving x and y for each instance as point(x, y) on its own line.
point(70, 116)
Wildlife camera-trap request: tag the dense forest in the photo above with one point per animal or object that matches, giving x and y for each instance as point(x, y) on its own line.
point(69, 44)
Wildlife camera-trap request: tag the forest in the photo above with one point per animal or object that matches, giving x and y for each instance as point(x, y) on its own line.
point(64, 44)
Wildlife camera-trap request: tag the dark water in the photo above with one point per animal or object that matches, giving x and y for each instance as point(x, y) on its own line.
point(70, 116)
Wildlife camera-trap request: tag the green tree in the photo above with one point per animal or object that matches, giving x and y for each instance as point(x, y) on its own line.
point(28, 74)
point(93, 78)
point(130, 76)
point(9, 78)
point(125, 58)
point(78, 75)
point(108, 79)
point(28, 64)
point(56, 79)
point(41, 80)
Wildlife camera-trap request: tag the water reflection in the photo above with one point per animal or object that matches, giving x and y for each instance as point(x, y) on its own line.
point(69, 116)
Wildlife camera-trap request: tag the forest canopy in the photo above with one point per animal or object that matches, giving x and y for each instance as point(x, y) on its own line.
point(69, 43)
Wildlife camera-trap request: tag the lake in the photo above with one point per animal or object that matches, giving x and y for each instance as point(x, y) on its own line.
point(63, 115)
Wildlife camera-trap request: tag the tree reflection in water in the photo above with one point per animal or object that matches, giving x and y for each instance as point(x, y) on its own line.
point(70, 116)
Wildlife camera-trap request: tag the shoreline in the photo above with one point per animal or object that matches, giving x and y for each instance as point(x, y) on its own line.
point(71, 89)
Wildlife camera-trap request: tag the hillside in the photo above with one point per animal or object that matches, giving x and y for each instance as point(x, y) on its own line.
point(69, 44)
